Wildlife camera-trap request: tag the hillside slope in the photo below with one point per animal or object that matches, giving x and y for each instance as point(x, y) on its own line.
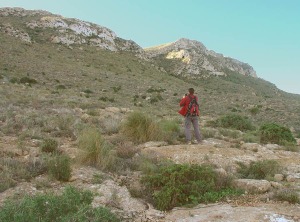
point(84, 74)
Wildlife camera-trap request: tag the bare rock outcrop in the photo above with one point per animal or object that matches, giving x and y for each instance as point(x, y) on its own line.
point(66, 31)
point(195, 60)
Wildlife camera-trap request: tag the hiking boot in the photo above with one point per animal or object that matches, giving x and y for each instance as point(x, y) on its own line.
point(197, 142)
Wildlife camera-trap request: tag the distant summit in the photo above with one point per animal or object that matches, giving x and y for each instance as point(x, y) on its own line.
point(193, 59)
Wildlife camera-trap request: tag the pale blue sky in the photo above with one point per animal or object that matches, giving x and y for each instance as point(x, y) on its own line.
point(262, 33)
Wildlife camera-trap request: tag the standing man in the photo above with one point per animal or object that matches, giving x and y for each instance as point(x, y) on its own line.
point(190, 110)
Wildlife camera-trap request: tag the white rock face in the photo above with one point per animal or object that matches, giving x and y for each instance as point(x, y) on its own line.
point(197, 60)
point(181, 54)
point(70, 31)
point(52, 22)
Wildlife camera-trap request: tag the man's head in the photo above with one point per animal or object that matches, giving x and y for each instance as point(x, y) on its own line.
point(191, 90)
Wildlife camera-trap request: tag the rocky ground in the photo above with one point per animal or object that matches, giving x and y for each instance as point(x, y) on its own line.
point(111, 191)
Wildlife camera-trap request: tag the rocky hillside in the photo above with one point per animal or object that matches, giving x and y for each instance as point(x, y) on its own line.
point(66, 57)
point(192, 56)
point(32, 26)
point(193, 59)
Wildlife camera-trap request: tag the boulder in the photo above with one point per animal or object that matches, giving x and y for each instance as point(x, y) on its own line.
point(252, 186)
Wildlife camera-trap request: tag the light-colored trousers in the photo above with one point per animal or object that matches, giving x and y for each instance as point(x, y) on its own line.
point(188, 122)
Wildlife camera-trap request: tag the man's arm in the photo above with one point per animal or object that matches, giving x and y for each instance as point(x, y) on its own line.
point(182, 101)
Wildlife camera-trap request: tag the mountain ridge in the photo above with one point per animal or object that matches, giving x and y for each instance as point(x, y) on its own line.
point(69, 31)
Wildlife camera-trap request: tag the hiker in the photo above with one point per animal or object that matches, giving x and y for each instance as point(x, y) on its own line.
point(190, 110)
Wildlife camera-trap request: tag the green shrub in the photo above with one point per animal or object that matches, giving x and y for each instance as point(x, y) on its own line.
point(290, 196)
point(254, 110)
point(14, 170)
point(292, 147)
point(234, 121)
point(49, 146)
point(140, 128)
point(177, 185)
point(170, 130)
point(6, 181)
point(230, 133)
point(87, 91)
point(153, 100)
point(27, 80)
point(116, 88)
point(250, 137)
point(103, 98)
point(60, 87)
point(297, 133)
point(274, 133)
point(149, 162)
point(72, 205)
point(208, 133)
point(264, 169)
point(14, 80)
point(95, 150)
point(59, 166)
point(110, 125)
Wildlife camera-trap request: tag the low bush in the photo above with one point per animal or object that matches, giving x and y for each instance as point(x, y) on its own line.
point(177, 185)
point(95, 151)
point(290, 196)
point(6, 181)
point(72, 205)
point(59, 167)
point(88, 91)
point(230, 133)
point(149, 162)
point(275, 133)
point(208, 133)
point(60, 87)
point(254, 110)
point(27, 80)
point(126, 150)
point(49, 146)
point(264, 169)
point(170, 130)
point(233, 121)
point(292, 147)
point(110, 125)
point(14, 170)
point(140, 128)
point(116, 88)
point(250, 137)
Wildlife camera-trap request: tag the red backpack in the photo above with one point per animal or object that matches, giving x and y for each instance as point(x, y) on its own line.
point(193, 107)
